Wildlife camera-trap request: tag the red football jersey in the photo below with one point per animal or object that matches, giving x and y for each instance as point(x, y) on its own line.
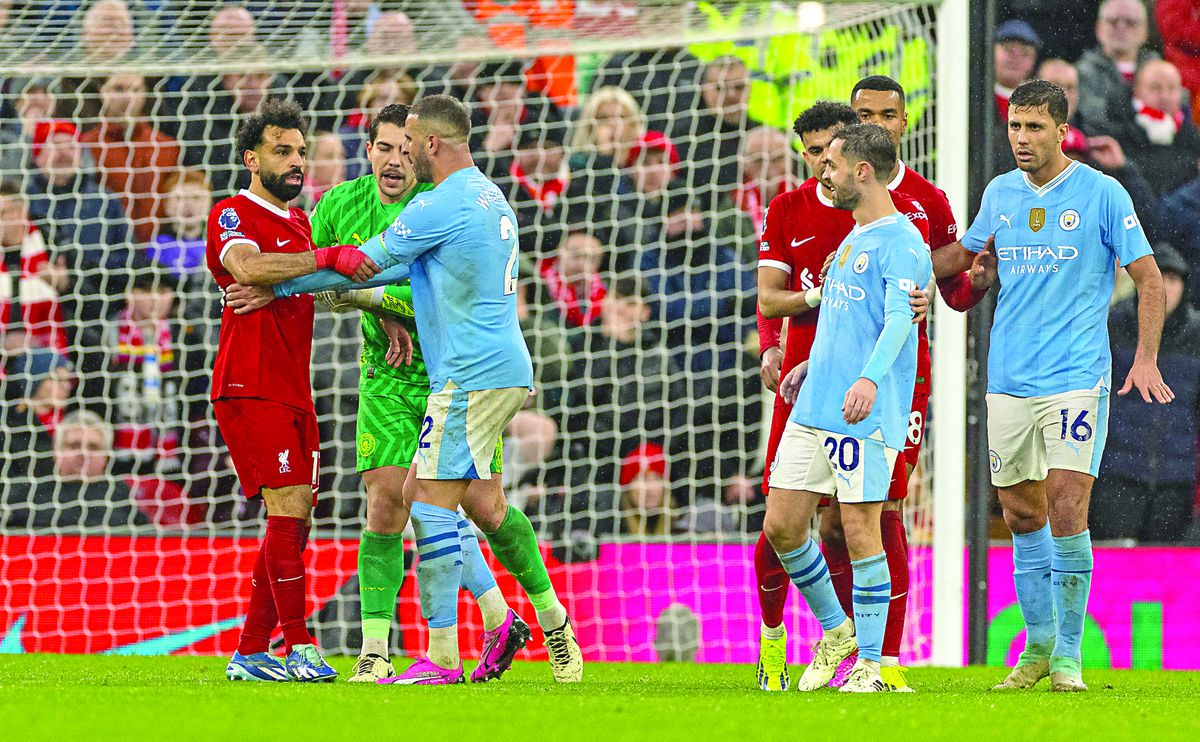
point(802, 228)
point(942, 228)
point(265, 353)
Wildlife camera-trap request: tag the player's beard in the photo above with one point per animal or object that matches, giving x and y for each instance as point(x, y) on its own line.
point(846, 199)
point(422, 167)
point(277, 185)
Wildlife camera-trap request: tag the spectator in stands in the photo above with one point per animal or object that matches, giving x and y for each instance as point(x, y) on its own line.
point(1179, 27)
point(1148, 485)
point(712, 139)
point(652, 163)
point(212, 119)
point(131, 366)
point(382, 90)
point(502, 109)
point(178, 243)
point(1154, 131)
point(70, 207)
point(533, 179)
point(30, 279)
point(1016, 50)
point(1177, 220)
point(107, 32)
point(768, 169)
point(609, 126)
point(132, 156)
point(81, 493)
point(645, 506)
point(37, 385)
point(1101, 151)
point(572, 287)
point(326, 168)
point(231, 27)
point(34, 104)
point(1106, 71)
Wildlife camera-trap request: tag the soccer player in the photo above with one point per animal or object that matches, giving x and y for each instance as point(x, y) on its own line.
point(847, 426)
point(459, 244)
point(390, 414)
point(802, 229)
point(1057, 228)
point(260, 383)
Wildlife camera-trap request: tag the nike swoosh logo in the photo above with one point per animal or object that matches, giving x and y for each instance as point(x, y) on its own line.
point(290, 579)
point(281, 243)
point(798, 243)
point(177, 640)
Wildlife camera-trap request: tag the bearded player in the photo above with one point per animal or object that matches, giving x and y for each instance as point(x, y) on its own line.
point(392, 399)
point(796, 242)
point(260, 384)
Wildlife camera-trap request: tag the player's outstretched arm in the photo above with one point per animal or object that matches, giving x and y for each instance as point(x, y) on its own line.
point(250, 267)
point(775, 300)
point(1144, 374)
point(331, 280)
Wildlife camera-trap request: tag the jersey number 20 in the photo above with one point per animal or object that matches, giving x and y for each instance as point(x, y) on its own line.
point(508, 231)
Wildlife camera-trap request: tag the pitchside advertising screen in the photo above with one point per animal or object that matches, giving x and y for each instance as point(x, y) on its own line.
point(185, 595)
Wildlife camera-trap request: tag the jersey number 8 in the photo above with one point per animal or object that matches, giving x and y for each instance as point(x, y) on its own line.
point(508, 231)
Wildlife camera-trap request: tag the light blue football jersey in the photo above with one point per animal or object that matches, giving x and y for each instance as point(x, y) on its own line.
point(1057, 247)
point(877, 265)
point(458, 245)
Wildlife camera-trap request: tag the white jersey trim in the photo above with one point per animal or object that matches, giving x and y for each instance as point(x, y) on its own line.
point(825, 200)
point(776, 264)
point(282, 213)
point(231, 243)
point(901, 169)
point(1054, 182)
point(889, 219)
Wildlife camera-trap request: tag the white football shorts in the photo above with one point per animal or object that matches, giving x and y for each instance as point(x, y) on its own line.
point(1029, 436)
point(857, 470)
point(460, 430)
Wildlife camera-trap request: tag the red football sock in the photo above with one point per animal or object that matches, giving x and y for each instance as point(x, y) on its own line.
point(895, 546)
point(772, 581)
point(837, 556)
point(261, 617)
point(284, 548)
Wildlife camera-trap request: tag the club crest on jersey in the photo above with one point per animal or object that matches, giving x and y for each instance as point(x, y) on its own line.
point(1068, 220)
point(1037, 219)
point(285, 466)
point(229, 219)
point(994, 461)
point(845, 254)
point(860, 263)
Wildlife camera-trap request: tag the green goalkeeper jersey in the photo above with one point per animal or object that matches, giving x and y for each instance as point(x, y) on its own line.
point(350, 214)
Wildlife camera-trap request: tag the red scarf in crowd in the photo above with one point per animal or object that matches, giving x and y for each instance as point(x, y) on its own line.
point(37, 300)
point(1160, 127)
point(566, 298)
point(132, 347)
point(1076, 141)
point(545, 193)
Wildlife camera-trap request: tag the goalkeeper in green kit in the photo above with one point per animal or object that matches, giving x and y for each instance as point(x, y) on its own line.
point(393, 389)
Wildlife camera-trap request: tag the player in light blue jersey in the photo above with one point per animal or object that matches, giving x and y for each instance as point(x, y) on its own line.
point(1054, 230)
point(850, 421)
point(458, 245)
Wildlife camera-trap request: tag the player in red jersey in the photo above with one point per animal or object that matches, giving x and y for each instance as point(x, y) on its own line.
point(260, 382)
point(802, 229)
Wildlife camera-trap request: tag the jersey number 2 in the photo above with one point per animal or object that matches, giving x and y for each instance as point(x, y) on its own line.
point(508, 231)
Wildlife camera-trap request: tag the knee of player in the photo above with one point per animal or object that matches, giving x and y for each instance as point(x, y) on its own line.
point(783, 535)
point(832, 531)
point(1068, 509)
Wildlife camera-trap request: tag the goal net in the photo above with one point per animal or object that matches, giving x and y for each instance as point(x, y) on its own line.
point(639, 143)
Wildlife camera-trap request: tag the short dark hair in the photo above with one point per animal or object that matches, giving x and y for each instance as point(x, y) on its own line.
point(283, 114)
point(629, 286)
point(824, 114)
point(1041, 94)
point(878, 82)
point(393, 113)
point(871, 144)
point(9, 188)
point(446, 110)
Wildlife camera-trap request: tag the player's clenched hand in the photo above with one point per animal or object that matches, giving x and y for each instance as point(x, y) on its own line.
point(1146, 377)
point(772, 364)
point(400, 344)
point(985, 266)
point(918, 299)
point(245, 299)
point(790, 386)
point(859, 401)
point(347, 260)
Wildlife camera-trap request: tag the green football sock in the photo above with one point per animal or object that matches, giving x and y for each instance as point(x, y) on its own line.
point(516, 546)
point(380, 575)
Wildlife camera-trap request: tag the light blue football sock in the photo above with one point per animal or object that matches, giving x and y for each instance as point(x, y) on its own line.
point(1031, 572)
point(1071, 582)
point(440, 568)
point(809, 572)
point(871, 595)
point(476, 576)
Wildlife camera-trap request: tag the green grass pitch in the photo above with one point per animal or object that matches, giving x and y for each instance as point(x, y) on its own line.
point(44, 697)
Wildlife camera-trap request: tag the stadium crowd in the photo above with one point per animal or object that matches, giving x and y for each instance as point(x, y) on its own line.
point(640, 193)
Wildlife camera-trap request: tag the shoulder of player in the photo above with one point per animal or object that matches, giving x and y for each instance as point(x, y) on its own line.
point(348, 189)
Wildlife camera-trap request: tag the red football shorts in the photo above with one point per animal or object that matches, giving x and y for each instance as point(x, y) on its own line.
point(272, 445)
point(779, 418)
point(898, 489)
